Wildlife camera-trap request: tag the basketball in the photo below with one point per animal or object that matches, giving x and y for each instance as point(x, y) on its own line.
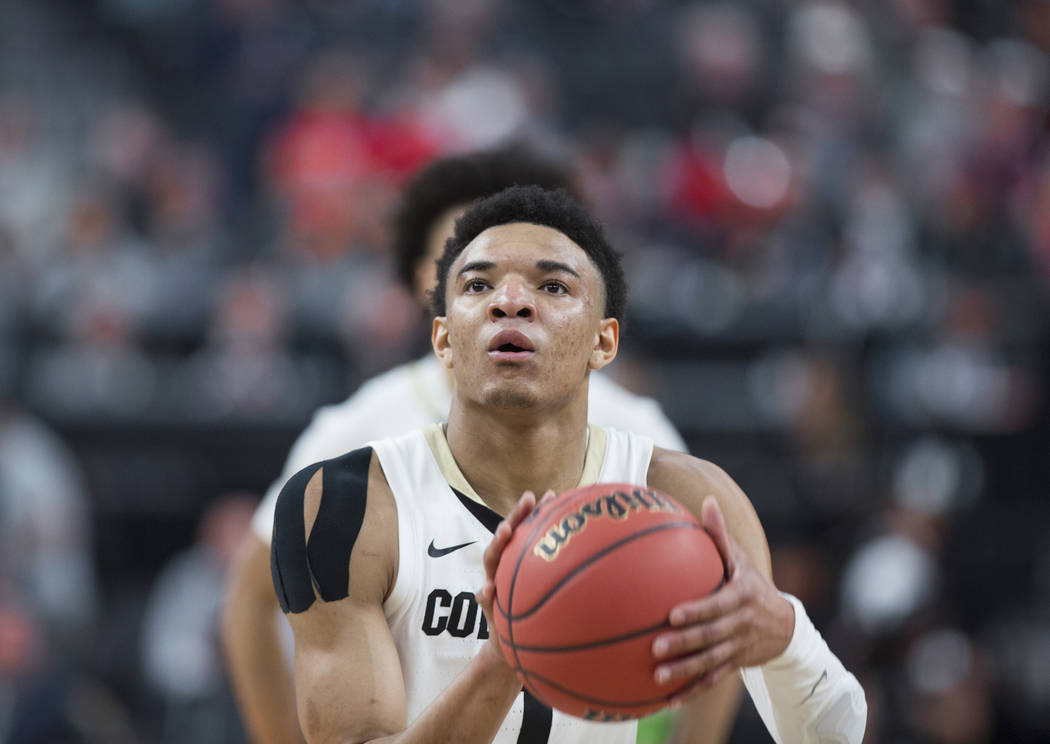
point(583, 587)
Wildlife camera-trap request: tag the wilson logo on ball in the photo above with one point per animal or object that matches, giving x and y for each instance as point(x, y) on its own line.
point(617, 505)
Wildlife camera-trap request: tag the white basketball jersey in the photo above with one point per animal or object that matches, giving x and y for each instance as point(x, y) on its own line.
point(415, 394)
point(443, 529)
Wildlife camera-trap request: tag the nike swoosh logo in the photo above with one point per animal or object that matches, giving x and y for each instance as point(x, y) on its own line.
point(434, 552)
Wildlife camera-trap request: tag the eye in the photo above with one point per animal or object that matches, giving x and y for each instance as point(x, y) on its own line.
point(475, 285)
point(554, 287)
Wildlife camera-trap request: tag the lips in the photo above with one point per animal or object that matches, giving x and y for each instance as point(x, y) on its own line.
point(510, 345)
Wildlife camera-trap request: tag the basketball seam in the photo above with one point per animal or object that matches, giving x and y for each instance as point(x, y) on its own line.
point(590, 561)
point(592, 644)
point(568, 496)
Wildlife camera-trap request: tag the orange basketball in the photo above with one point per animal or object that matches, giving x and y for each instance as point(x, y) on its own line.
point(585, 585)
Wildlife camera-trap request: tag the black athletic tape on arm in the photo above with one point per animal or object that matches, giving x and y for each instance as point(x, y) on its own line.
point(339, 518)
point(288, 562)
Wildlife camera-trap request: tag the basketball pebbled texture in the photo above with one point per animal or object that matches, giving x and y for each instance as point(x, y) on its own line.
point(586, 583)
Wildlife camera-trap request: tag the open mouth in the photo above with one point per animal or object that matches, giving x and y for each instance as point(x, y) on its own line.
point(510, 345)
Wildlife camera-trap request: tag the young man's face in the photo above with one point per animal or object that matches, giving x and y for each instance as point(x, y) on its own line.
point(524, 318)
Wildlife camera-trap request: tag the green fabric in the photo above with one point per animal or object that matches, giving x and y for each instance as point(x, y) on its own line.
point(655, 729)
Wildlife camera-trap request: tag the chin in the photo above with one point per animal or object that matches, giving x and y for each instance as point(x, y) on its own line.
point(516, 399)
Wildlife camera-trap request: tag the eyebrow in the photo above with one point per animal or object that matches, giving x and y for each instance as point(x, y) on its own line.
point(547, 265)
point(476, 266)
point(542, 265)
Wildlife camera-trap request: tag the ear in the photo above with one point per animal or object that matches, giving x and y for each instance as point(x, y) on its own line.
point(439, 340)
point(606, 344)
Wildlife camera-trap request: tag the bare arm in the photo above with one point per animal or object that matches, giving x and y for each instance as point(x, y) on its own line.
point(259, 672)
point(349, 685)
point(351, 691)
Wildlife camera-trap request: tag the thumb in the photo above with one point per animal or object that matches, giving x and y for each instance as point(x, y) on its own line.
point(714, 523)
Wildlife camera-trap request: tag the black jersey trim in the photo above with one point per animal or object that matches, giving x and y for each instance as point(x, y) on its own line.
point(488, 518)
point(536, 721)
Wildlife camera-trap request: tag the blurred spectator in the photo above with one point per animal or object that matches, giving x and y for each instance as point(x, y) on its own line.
point(245, 369)
point(949, 689)
point(181, 657)
point(46, 698)
point(45, 529)
point(97, 369)
point(721, 53)
point(13, 281)
point(33, 177)
point(895, 577)
point(332, 165)
point(185, 193)
point(964, 376)
point(49, 599)
point(466, 97)
point(98, 257)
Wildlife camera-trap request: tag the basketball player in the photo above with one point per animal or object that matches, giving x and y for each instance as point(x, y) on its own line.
point(376, 552)
point(402, 399)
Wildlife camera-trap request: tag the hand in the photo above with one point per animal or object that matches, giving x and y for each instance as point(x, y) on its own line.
point(745, 623)
point(485, 596)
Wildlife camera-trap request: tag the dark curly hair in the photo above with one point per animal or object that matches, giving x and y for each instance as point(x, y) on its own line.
point(460, 180)
point(554, 209)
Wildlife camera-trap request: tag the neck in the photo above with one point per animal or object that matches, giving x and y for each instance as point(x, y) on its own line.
point(503, 454)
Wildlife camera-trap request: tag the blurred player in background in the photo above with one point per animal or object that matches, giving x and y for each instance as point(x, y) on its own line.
point(405, 398)
point(528, 303)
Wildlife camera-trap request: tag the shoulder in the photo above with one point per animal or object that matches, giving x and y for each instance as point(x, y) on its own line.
point(670, 469)
point(377, 391)
point(405, 397)
point(334, 523)
point(612, 405)
point(690, 480)
point(383, 405)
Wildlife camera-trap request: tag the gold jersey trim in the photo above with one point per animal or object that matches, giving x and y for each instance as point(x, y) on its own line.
point(435, 437)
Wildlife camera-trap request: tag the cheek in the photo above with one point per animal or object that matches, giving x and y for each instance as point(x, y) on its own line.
point(462, 340)
point(578, 338)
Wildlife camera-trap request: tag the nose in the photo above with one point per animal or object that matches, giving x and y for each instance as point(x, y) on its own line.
point(512, 300)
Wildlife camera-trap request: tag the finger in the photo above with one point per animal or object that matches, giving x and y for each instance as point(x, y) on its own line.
point(525, 505)
point(723, 602)
point(715, 524)
point(695, 665)
point(548, 496)
point(494, 550)
point(505, 530)
point(696, 637)
point(485, 595)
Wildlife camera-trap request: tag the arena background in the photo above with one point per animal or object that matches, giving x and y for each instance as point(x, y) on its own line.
point(836, 218)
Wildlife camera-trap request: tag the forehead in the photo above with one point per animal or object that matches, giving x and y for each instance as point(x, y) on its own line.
point(526, 243)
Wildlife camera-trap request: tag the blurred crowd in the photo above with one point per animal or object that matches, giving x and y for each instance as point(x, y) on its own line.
point(835, 216)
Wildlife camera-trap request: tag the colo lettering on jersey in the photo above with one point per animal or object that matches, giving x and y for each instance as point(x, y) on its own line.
point(459, 616)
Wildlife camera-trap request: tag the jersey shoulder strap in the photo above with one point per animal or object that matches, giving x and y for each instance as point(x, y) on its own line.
point(627, 457)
